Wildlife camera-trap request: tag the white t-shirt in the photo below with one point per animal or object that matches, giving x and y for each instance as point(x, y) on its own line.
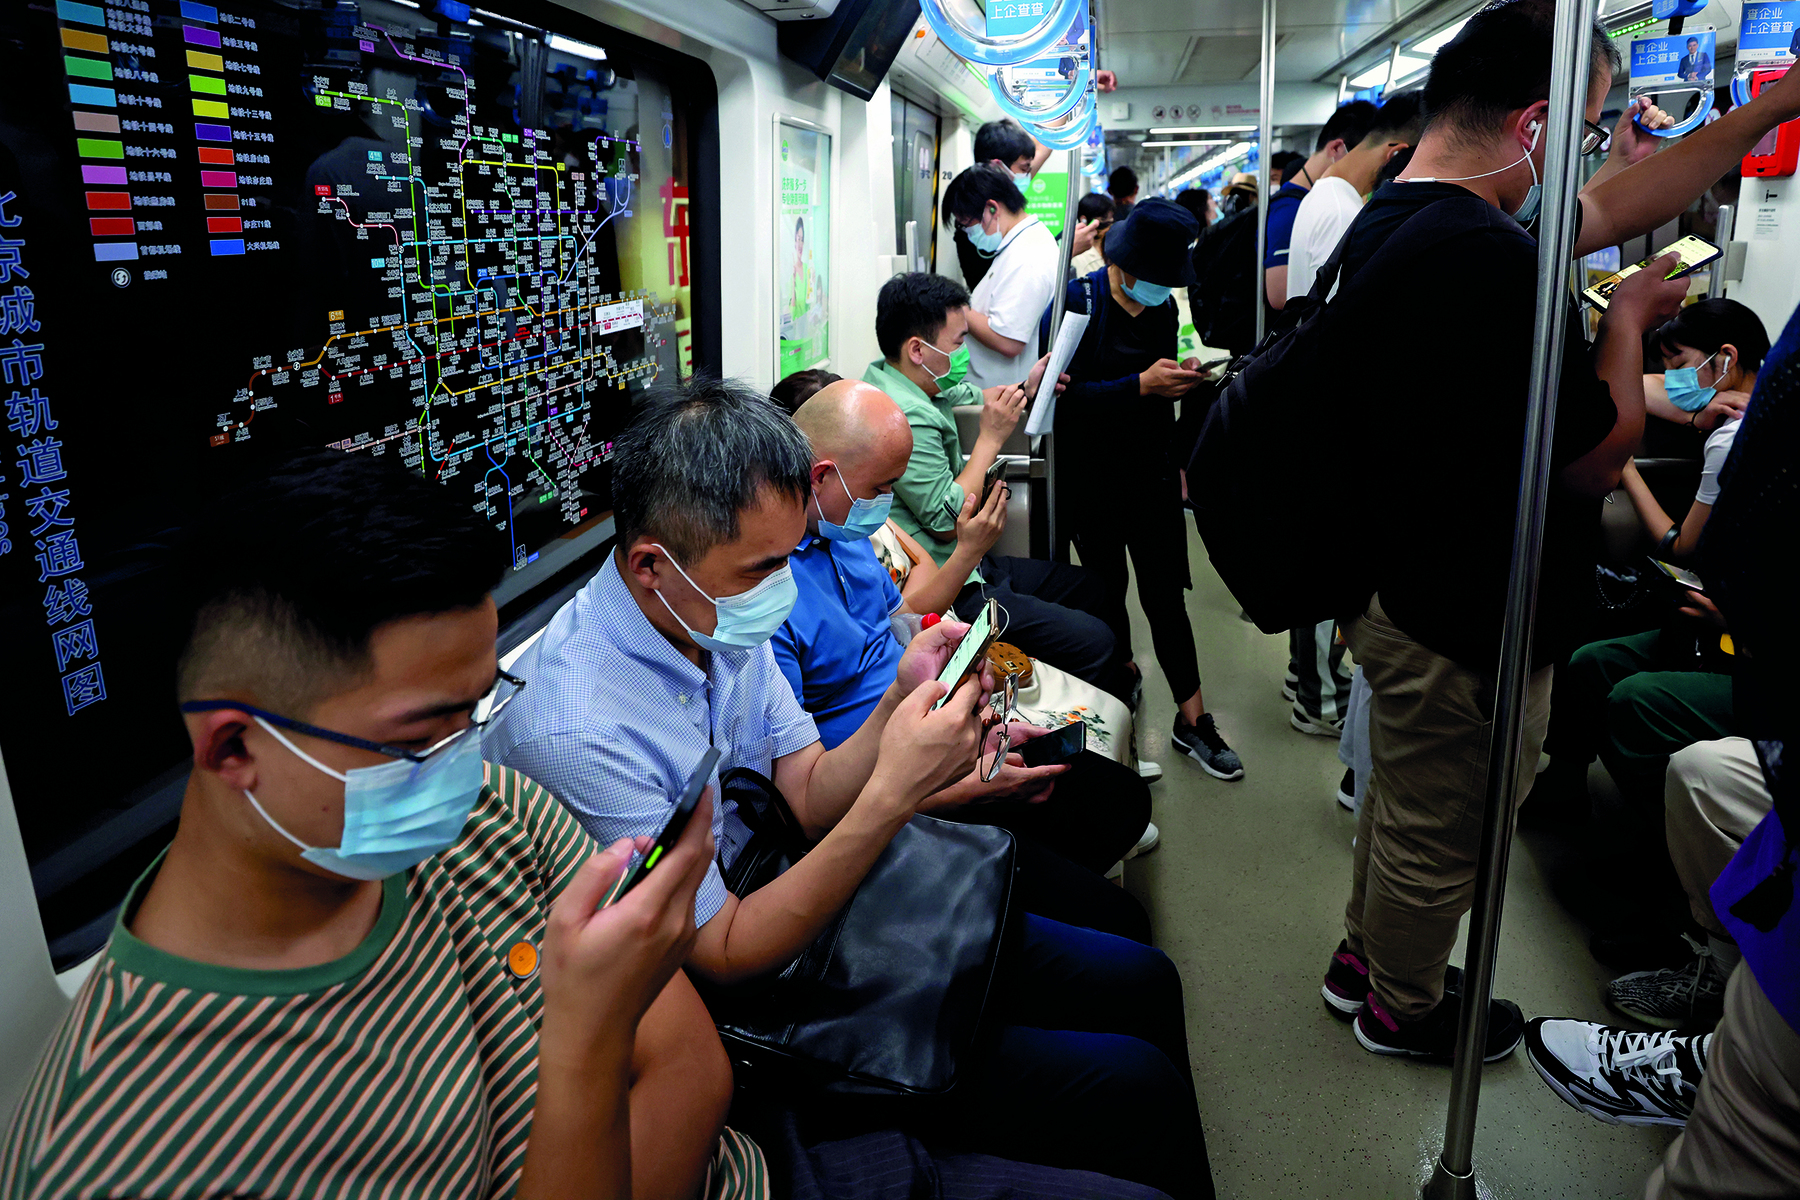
point(1325, 213)
point(1718, 449)
point(1013, 295)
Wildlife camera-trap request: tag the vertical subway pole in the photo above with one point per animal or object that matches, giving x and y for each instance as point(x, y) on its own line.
point(1453, 1177)
point(1265, 120)
point(1077, 160)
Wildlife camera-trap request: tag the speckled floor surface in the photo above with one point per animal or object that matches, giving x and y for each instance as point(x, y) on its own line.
point(1247, 894)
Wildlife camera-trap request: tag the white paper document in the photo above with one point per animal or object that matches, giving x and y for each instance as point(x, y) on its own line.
point(1043, 405)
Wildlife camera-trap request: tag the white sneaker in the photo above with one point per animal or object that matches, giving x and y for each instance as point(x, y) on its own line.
point(1149, 770)
point(1621, 1076)
point(1151, 840)
point(1319, 726)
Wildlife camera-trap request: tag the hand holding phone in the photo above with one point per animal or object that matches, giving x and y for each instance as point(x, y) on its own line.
point(1691, 253)
point(970, 653)
point(1058, 746)
point(685, 804)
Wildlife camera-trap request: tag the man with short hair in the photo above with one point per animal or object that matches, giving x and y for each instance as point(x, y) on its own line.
point(1007, 306)
point(1326, 210)
point(1283, 165)
point(1695, 66)
point(920, 324)
point(666, 652)
point(1122, 186)
point(1429, 639)
point(1004, 144)
point(1345, 128)
point(370, 962)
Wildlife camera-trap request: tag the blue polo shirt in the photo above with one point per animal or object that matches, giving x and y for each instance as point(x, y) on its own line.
point(615, 718)
point(1282, 211)
point(836, 649)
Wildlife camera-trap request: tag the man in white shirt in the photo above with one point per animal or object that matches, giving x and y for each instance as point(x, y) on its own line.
point(1007, 305)
point(1327, 211)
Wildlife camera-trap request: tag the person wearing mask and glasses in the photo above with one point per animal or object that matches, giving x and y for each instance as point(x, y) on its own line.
point(985, 204)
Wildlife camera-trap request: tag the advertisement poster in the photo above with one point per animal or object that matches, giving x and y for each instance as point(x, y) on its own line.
point(1683, 62)
point(1768, 33)
point(1047, 199)
point(802, 245)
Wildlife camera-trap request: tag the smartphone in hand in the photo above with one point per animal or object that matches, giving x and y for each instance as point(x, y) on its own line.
point(970, 652)
point(1057, 746)
point(685, 804)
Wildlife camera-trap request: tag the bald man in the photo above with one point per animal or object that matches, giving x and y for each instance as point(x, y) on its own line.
point(839, 652)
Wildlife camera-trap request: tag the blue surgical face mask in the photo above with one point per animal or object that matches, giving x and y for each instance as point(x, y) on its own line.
point(397, 814)
point(746, 620)
point(985, 243)
point(866, 516)
point(1147, 294)
point(1022, 180)
point(1683, 386)
point(1527, 212)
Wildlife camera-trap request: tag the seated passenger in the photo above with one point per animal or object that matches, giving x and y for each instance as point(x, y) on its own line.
point(1116, 422)
point(1713, 349)
point(986, 205)
point(347, 975)
point(1054, 610)
point(838, 650)
point(666, 652)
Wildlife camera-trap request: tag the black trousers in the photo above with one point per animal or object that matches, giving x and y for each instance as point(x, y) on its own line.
point(1153, 532)
point(1059, 613)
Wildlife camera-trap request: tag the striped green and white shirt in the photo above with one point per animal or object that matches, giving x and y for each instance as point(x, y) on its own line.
point(407, 1069)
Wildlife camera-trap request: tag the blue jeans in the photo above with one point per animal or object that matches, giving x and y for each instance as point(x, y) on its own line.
point(1086, 1066)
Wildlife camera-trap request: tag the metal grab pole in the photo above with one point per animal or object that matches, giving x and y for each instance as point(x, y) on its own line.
point(1265, 120)
point(1077, 160)
point(1453, 1177)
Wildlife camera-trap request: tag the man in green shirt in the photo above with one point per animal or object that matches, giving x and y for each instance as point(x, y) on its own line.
point(1053, 611)
point(370, 963)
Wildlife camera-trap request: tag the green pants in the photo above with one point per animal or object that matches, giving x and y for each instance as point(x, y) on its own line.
point(1634, 701)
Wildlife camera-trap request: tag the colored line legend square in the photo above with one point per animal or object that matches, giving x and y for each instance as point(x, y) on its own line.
point(215, 155)
point(200, 60)
point(101, 148)
point(224, 224)
point(81, 14)
point(104, 175)
point(87, 68)
point(212, 85)
point(221, 246)
point(222, 179)
point(199, 12)
point(212, 108)
point(81, 39)
point(212, 133)
point(216, 202)
point(99, 97)
point(109, 200)
point(112, 226)
point(115, 252)
point(200, 37)
point(378, 263)
point(89, 122)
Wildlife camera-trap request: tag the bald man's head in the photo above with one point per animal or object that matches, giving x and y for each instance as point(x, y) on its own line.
point(858, 434)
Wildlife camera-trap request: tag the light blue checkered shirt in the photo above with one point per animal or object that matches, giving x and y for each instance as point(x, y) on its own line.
point(615, 718)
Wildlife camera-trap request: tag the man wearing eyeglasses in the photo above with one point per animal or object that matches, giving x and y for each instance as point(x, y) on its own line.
point(369, 962)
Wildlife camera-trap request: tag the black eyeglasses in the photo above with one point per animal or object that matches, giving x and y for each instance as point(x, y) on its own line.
point(1593, 137)
point(506, 688)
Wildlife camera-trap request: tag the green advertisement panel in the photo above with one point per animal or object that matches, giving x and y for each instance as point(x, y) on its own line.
point(1047, 198)
point(802, 245)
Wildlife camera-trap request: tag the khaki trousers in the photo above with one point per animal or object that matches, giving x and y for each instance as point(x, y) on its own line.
point(1714, 797)
point(1743, 1141)
point(1419, 832)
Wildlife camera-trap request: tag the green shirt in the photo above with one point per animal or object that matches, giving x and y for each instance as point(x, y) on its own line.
point(928, 489)
point(408, 1068)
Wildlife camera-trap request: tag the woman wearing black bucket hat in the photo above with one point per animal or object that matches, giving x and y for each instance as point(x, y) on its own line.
point(1115, 426)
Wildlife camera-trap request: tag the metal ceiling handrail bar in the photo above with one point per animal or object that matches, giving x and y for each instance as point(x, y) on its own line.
point(1453, 1175)
point(1265, 119)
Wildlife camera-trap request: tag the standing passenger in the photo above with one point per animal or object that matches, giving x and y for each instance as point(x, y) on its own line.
point(1006, 145)
point(1346, 128)
point(1005, 307)
point(1116, 425)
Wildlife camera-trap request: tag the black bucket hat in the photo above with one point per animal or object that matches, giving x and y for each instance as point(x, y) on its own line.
point(1151, 243)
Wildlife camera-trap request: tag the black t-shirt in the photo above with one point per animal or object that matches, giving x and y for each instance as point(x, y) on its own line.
point(1451, 337)
point(1108, 425)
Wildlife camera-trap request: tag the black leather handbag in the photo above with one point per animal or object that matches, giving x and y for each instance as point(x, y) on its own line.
point(889, 999)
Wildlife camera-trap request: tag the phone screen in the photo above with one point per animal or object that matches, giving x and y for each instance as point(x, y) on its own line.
point(685, 804)
point(1694, 253)
point(994, 474)
point(1681, 575)
point(1059, 745)
point(963, 658)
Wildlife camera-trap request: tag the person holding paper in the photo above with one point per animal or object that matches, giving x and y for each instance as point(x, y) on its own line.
point(1116, 422)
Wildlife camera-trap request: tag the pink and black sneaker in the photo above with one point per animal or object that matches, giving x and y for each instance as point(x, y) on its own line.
point(1346, 985)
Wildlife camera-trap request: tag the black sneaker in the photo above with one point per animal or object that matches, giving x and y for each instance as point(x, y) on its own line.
point(1691, 996)
point(1619, 1075)
point(1346, 984)
point(1346, 793)
point(1202, 743)
point(1433, 1036)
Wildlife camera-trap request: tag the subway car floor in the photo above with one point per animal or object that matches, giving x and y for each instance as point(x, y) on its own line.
point(1247, 892)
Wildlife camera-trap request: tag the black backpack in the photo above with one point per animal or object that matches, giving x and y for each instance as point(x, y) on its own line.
point(1227, 284)
point(1284, 416)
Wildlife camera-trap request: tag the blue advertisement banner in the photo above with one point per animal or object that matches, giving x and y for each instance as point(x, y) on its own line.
point(1683, 62)
point(1767, 32)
